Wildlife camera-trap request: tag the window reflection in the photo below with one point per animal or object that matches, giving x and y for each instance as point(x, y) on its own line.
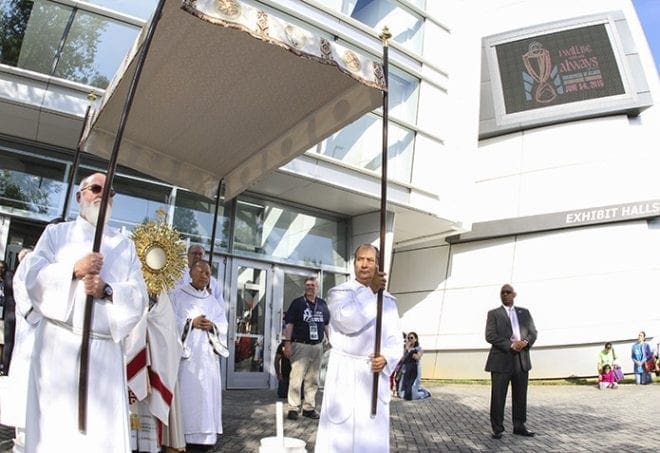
point(403, 96)
point(94, 48)
point(193, 218)
point(406, 26)
point(30, 185)
point(136, 8)
point(354, 145)
point(288, 233)
point(31, 33)
point(93, 45)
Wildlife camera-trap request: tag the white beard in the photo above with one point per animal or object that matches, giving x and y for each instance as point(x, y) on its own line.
point(90, 212)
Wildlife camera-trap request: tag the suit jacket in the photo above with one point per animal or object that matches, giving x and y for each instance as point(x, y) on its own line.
point(498, 334)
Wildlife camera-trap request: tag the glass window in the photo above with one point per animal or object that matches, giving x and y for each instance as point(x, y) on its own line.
point(193, 218)
point(95, 47)
point(297, 237)
point(354, 145)
point(31, 185)
point(403, 96)
point(330, 280)
point(140, 8)
point(421, 4)
point(135, 201)
point(31, 32)
point(405, 26)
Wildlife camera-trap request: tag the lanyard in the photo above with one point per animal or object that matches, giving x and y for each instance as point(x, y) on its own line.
point(313, 310)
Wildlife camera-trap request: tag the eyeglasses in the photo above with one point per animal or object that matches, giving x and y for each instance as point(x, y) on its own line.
point(412, 338)
point(97, 189)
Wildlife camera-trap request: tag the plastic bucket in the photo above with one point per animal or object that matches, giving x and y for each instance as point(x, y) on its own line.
point(274, 445)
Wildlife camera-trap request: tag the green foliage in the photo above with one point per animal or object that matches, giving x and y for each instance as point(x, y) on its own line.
point(26, 192)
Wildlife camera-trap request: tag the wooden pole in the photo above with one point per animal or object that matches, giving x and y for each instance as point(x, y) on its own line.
point(74, 167)
point(384, 36)
point(98, 235)
point(215, 223)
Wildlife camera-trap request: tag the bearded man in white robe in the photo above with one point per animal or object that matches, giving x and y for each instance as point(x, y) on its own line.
point(346, 424)
point(62, 273)
point(200, 314)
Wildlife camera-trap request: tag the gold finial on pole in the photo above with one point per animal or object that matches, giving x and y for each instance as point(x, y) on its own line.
point(385, 35)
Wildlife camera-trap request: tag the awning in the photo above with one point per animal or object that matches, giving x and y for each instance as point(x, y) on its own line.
point(230, 92)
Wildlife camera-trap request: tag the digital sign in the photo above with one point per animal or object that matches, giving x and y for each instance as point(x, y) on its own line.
point(576, 68)
point(557, 68)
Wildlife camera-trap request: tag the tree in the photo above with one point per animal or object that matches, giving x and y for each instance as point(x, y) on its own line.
point(33, 33)
point(27, 192)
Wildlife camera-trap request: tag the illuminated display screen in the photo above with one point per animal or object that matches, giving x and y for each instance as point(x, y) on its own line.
point(558, 68)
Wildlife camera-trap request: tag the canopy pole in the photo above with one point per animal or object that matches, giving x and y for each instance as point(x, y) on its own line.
point(74, 166)
point(385, 37)
point(215, 223)
point(98, 235)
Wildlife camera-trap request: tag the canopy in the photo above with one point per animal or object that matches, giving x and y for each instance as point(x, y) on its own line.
point(230, 92)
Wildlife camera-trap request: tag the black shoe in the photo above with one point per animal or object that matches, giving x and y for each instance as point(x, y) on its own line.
point(292, 415)
point(523, 432)
point(311, 414)
point(496, 435)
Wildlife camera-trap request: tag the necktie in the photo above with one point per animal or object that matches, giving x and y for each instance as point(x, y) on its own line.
point(514, 324)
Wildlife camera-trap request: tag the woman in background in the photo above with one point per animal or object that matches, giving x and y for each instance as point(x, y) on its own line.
point(641, 352)
point(409, 387)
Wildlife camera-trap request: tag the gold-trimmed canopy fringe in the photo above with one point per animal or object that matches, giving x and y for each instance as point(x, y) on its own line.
point(231, 92)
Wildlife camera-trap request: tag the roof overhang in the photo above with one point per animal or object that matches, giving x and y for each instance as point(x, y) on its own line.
point(229, 92)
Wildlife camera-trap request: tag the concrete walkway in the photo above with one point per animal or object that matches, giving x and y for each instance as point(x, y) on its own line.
point(566, 418)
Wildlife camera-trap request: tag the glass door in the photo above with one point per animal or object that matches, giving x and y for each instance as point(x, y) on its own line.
point(250, 311)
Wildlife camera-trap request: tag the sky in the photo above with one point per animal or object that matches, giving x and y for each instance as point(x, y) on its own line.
point(649, 15)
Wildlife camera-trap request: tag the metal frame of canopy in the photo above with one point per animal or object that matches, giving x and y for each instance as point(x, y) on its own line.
point(195, 100)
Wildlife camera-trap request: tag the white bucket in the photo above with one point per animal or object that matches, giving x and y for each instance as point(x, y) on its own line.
point(275, 445)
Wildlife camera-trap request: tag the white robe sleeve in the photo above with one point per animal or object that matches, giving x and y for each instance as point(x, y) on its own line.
point(351, 309)
point(50, 284)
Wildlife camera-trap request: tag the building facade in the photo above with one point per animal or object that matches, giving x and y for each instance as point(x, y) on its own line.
point(461, 195)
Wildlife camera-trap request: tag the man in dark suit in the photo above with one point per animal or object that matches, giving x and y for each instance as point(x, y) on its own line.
point(511, 333)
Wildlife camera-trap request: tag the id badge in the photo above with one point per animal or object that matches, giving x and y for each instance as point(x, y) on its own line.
point(313, 331)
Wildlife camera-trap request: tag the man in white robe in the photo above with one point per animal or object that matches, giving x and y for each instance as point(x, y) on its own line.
point(196, 253)
point(198, 314)
point(62, 272)
point(346, 424)
point(14, 398)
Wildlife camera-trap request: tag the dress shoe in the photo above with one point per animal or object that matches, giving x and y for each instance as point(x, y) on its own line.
point(497, 435)
point(292, 415)
point(311, 414)
point(523, 432)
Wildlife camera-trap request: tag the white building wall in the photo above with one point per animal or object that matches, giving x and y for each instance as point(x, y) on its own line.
point(584, 286)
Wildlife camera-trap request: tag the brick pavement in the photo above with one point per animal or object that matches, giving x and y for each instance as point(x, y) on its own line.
point(566, 418)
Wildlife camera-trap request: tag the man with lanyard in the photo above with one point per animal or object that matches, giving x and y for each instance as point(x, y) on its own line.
point(307, 322)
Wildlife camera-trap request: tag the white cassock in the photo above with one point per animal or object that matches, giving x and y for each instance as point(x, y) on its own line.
point(216, 290)
point(200, 385)
point(14, 399)
point(52, 410)
point(346, 424)
point(153, 352)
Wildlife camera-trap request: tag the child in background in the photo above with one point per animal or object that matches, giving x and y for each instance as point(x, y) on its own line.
point(607, 379)
point(618, 372)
